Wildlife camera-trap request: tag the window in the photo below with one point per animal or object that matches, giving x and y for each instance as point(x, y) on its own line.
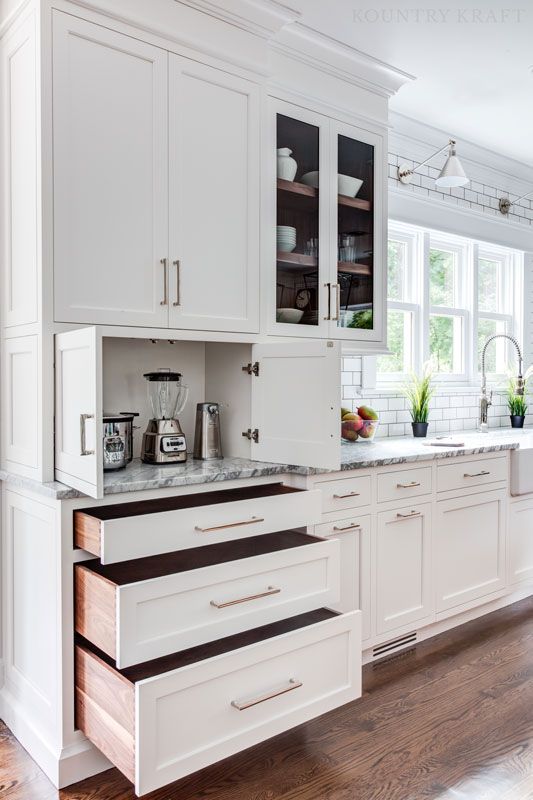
point(446, 296)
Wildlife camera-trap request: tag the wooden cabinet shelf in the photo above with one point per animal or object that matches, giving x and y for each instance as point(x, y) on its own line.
point(299, 261)
point(300, 194)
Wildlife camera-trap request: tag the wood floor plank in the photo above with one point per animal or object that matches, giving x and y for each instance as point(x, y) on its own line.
point(450, 720)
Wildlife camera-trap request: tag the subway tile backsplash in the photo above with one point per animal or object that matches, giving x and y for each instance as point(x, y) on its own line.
point(452, 409)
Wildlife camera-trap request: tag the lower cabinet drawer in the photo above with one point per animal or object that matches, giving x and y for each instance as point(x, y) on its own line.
point(148, 527)
point(143, 609)
point(466, 474)
point(160, 721)
point(345, 493)
point(401, 485)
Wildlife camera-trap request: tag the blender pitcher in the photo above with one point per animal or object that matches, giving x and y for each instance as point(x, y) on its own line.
point(164, 441)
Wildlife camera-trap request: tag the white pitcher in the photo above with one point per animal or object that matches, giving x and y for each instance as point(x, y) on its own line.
point(287, 166)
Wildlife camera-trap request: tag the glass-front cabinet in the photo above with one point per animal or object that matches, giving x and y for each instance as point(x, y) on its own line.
point(329, 228)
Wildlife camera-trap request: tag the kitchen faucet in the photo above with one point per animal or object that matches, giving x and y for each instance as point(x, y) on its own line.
point(484, 401)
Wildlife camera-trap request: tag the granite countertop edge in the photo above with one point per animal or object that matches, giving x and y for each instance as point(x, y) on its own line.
point(139, 477)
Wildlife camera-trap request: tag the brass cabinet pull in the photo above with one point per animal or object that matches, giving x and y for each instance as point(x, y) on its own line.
point(343, 496)
point(328, 286)
point(271, 590)
point(164, 301)
point(83, 437)
point(177, 301)
point(242, 705)
point(251, 521)
point(413, 513)
point(477, 474)
point(351, 527)
point(408, 485)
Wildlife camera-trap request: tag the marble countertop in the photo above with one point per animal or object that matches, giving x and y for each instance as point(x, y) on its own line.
point(138, 476)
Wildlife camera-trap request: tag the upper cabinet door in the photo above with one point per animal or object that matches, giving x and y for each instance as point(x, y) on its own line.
point(295, 403)
point(214, 166)
point(296, 239)
point(78, 435)
point(358, 231)
point(110, 176)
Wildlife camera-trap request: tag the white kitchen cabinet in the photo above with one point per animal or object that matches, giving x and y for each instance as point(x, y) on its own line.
point(402, 567)
point(156, 186)
point(213, 199)
point(521, 541)
point(469, 548)
point(327, 245)
point(110, 122)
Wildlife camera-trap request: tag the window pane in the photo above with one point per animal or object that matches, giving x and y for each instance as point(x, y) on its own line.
point(445, 342)
point(397, 256)
point(442, 278)
point(488, 281)
point(399, 341)
point(496, 355)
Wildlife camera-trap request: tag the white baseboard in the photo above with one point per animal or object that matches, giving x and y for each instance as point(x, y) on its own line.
point(63, 766)
point(454, 621)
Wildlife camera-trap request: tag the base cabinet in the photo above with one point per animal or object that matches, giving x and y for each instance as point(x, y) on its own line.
point(521, 542)
point(469, 547)
point(402, 583)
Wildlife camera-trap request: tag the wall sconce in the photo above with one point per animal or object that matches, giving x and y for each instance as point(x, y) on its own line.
point(451, 175)
point(505, 204)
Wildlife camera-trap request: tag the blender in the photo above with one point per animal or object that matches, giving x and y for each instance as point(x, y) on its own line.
point(164, 441)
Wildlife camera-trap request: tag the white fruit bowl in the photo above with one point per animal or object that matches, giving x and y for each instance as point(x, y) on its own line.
point(291, 315)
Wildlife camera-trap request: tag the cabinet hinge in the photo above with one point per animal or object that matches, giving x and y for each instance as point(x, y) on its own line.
point(252, 435)
point(252, 369)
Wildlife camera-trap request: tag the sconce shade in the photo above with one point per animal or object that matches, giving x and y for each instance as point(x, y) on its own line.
point(452, 174)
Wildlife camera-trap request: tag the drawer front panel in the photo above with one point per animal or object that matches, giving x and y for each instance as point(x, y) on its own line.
point(404, 484)
point(164, 615)
point(346, 493)
point(132, 537)
point(196, 716)
point(471, 473)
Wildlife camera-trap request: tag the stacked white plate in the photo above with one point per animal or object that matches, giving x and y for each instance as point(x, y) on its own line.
point(286, 238)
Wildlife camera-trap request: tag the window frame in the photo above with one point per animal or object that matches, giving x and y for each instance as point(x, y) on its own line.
point(468, 253)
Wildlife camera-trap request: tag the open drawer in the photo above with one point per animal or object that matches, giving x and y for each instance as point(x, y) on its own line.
point(160, 721)
point(139, 610)
point(149, 527)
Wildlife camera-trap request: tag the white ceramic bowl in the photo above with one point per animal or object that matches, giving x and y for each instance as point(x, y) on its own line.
point(291, 315)
point(311, 179)
point(348, 186)
point(286, 247)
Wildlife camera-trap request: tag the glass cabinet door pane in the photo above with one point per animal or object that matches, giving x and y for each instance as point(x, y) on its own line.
point(297, 231)
point(355, 245)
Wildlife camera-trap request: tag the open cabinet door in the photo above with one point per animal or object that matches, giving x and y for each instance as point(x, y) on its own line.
point(296, 403)
point(78, 448)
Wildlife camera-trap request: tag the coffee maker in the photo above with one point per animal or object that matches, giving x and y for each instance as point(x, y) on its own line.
point(164, 441)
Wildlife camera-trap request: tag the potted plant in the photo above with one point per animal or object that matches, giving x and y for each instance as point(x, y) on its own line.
point(419, 392)
point(516, 403)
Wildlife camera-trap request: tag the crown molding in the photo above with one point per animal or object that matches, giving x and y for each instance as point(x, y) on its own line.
point(335, 58)
point(263, 18)
point(416, 141)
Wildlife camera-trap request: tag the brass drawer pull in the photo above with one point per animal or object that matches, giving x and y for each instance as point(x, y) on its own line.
point(408, 485)
point(251, 521)
point(271, 590)
point(343, 496)
point(241, 705)
point(352, 527)
point(413, 513)
point(477, 474)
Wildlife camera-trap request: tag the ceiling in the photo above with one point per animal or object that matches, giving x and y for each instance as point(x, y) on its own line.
point(473, 61)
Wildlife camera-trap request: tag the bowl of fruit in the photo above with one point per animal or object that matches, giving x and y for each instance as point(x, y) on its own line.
point(359, 425)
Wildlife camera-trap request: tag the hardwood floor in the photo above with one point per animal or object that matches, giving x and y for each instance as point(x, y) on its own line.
point(449, 720)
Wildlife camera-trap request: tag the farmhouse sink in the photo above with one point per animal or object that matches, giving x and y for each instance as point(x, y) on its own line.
point(522, 466)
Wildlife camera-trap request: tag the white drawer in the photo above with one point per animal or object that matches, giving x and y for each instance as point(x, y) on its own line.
point(345, 493)
point(465, 474)
point(161, 721)
point(144, 609)
point(134, 530)
point(404, 484)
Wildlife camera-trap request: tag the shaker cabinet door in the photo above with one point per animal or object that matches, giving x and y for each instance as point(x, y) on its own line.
point(110, 176)
point(213, 199)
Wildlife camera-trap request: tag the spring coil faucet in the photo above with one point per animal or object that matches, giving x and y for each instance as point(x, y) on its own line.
point(484, 401)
